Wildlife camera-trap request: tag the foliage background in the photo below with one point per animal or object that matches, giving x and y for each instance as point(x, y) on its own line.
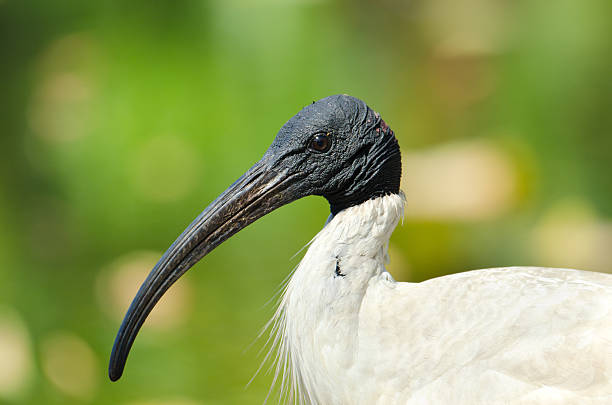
point(121, 120)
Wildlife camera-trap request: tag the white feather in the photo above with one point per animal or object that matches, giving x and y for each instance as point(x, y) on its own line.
point(497, 336)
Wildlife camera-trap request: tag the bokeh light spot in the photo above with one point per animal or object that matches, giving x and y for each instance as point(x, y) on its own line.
point(119, 282)
point(571, 235)
point(61, 111)
point(61, 107)
point(467, 181)
point(70, 364)
point(471, 26)
point(15, 354)
point(398, 264)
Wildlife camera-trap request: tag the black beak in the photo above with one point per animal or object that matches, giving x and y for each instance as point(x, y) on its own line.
point(259, 191)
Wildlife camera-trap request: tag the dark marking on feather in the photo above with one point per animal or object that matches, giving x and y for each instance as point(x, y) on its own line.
point(338, 273)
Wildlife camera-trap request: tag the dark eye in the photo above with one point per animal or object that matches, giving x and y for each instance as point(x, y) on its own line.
point(320, 142)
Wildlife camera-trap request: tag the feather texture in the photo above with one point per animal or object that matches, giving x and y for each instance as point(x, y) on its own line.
point(347, 333)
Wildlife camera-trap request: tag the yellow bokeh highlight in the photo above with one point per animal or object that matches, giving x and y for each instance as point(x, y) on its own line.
point(467, 181)
point(119, 282)
point(571, 235)
point(70, 365)
point(15, 354)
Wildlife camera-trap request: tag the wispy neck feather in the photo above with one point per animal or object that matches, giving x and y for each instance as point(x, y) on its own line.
point(320, 304)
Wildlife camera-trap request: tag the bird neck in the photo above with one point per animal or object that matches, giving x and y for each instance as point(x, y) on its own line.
point(319, 310)
point(360, 230)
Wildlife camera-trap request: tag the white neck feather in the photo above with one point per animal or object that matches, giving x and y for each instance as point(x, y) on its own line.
point(315, 326)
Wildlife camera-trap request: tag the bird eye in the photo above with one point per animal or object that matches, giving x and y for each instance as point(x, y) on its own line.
point(320, 142)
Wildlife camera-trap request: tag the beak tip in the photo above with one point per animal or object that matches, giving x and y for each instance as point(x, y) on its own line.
point(114, 373)
point(116, 365)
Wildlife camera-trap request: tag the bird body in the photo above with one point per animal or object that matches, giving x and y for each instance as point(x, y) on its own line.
point(347, 333)
point(519, 335)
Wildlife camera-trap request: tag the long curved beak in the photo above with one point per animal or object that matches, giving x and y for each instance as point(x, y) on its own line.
point(259, 191)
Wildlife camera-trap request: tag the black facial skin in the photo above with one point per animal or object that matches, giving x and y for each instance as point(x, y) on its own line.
point(363, 162)
point(337, 148)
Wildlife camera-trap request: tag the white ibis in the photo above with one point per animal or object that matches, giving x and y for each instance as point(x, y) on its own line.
point(348, 333)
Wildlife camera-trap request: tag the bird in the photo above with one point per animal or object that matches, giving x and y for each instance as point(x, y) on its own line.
point(346, 332)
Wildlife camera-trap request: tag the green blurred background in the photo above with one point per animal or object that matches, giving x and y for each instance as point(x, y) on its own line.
point(121, 120)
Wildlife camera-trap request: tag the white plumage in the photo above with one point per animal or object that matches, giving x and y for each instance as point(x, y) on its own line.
point(347, 333)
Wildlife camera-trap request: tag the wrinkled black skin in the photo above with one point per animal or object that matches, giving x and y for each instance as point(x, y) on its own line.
point(363, 162)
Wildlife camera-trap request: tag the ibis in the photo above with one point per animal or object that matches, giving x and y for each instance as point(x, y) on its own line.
point(345, 332)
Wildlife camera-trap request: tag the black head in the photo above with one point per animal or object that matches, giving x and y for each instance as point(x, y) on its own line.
point(344, 151)
point(337, 148)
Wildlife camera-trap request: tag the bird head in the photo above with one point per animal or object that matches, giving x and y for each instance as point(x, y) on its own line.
point(336, 147)
point(339, 149)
